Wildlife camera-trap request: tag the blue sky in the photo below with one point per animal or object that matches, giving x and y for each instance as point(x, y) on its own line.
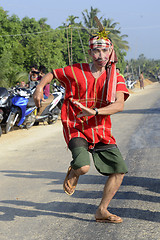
point(139, 19)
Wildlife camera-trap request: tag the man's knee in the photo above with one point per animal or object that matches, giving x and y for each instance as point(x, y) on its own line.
point(82, 170)
point(81, 160)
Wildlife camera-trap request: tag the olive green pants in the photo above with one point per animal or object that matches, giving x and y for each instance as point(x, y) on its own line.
point(107, 161)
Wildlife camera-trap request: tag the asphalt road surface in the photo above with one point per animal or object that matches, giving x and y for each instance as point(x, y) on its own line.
point(33, 165)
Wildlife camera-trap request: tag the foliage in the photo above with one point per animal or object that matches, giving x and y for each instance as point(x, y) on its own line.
point(78, 49)
point(27, 41)
point(21, 77)
point(89, 21)
point(150, 67)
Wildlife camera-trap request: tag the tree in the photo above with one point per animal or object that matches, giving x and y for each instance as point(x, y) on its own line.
point(11, 50)
point(27, 41)
point(71, 19)
point(76, 41)
point(88, 18)
point(150, 67)
point(120, 45)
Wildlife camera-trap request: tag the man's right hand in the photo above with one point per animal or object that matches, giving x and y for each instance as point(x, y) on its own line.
point(38, 96)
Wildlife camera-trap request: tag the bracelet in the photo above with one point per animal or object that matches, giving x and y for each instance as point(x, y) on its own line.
point(96, 109)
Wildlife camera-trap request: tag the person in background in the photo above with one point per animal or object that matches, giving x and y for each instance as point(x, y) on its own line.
point(46, 89)
point(33, 76)
point(18, 84)
point(141, 80)
point(22, 85)
point(118, 71)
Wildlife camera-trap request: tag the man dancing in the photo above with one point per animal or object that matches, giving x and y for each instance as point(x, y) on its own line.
point(93, 93)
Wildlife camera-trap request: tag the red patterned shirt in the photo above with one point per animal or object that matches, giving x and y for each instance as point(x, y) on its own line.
point(80, 85)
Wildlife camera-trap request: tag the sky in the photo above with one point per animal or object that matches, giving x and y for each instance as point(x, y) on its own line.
point(139, 19)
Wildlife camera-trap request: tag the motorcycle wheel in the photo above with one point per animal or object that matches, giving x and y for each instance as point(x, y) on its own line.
point(29, 122)
point(0, 131)
point(54, 116)
point(36, 123)
point(10, 122)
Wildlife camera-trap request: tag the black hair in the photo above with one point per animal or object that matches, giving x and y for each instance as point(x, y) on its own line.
point(42, 68)
point(34, 66)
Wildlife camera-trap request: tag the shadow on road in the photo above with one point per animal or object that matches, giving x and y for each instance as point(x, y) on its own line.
point(150, 184)
point(141, 111)
point(66, 209)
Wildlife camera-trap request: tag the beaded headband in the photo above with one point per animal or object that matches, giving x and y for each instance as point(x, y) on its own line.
point(100, 39)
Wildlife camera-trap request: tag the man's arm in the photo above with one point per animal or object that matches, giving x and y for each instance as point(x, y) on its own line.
point(38, 94)
point(115, 107)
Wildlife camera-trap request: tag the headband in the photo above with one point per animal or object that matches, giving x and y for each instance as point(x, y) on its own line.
point(97, 42)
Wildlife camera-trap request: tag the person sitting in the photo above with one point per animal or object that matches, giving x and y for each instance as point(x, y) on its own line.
point(46, 89)
point(33, 76)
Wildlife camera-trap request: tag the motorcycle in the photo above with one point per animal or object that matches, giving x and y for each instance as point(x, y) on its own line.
point(5, 106)
point(50, 109)
point(23, 110)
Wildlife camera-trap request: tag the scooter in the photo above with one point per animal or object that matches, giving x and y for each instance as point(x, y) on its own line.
point(51, 108)
point(5, 106)
point(23, 110)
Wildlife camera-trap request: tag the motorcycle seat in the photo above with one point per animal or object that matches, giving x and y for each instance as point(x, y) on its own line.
point(45, 104)
point(31, 102)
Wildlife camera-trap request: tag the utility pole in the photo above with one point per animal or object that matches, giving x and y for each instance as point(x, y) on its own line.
point(68, 45)
point(71, 47)
point(82, 46)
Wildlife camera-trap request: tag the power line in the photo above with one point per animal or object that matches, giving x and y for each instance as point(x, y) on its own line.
point(140, 27)
point(23, 34)
point(82, 28)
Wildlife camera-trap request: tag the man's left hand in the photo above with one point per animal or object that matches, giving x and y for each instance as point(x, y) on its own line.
point(85, 110)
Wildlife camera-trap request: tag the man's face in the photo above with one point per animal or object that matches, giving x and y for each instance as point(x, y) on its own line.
point(100, 56)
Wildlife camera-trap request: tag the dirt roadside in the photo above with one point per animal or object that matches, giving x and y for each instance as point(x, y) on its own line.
point(137, 85)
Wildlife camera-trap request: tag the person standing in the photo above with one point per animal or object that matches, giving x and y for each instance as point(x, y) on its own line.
point(93, 92)
point(141, 80)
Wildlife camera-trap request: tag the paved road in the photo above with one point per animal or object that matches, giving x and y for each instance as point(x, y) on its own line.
point(33, 165)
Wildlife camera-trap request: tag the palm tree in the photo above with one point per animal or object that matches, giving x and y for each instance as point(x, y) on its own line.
point(109, 25)
point(89, 21)
point(114, 34)
point(71, 19)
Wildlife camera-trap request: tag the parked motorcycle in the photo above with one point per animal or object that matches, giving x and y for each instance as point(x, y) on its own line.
point(51, 108)
point(23, 110)
point(5, 106)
